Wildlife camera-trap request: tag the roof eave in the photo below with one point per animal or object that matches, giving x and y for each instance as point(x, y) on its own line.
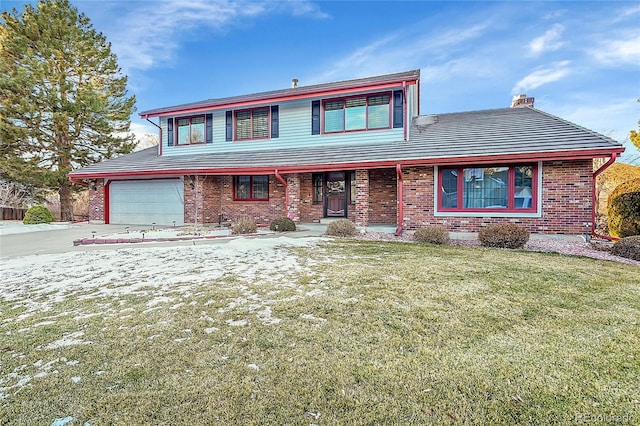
point(373, 164)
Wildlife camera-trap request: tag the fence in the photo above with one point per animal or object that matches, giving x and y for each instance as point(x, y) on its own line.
point(9, 213)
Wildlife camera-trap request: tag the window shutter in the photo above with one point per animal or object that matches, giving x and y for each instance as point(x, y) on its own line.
point(398, 109)
point(209, 128)
point(315, 117)
point(169, 131)
point(229, 126)
point(274, 121)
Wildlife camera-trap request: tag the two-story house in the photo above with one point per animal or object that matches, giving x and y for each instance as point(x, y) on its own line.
point(356, 149)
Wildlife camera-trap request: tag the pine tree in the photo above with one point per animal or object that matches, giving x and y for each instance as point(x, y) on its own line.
point(63, 98)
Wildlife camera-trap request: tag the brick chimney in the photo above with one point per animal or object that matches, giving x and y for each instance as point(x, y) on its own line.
point(522, 101)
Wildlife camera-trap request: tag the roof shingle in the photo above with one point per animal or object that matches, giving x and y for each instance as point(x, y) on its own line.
point(480, 136)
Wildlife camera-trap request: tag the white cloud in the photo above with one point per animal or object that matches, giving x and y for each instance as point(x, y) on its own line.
point(549, 41)
point(541, 76)
point(149, 33)
point(624, 51)
point(401, 51)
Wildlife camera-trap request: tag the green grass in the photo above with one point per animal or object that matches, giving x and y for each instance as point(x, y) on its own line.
point(370, 333)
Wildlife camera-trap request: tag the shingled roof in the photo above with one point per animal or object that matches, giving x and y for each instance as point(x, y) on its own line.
point(480, 137)
point(299, 91)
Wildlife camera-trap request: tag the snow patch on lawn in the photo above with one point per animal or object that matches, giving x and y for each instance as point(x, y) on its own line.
point(166, 278)
point(38, 282)
point(69, 339)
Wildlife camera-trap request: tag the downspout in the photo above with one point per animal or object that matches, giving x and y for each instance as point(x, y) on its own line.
point(286, 192)
point(400, 200)
point(159, 134)
point(594, 205)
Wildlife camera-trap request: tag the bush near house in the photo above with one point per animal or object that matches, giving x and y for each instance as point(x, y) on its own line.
point(628, 247)
point(282, 224)
point(38, 214)
point(504, 235)
point(434, 234)
point(244, 226)
point(341, 228)
point(624, 209)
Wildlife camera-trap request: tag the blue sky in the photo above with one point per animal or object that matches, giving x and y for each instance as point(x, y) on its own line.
point(580, 60)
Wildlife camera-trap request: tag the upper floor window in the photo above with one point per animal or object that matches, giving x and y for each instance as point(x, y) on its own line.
point(500, 188)
point(190, 130)
point(252, 124)
point(357, 113)
point(251, 188)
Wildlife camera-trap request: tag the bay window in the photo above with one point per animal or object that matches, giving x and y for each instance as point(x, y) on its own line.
point(493, 189)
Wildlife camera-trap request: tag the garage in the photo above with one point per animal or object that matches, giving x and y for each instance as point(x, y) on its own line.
point(145, 202)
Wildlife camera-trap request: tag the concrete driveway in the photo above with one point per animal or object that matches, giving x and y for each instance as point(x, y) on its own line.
point(61, 239)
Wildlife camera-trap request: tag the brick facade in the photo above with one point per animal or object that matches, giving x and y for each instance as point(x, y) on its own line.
point(309, 211)
point(96, 201)
point(566, 200)
point(383, 197)
point(362, 198)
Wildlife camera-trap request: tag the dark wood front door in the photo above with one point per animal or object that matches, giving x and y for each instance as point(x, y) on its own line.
point(336, 199)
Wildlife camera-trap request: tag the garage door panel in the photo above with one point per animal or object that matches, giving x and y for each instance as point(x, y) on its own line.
point(145, 202)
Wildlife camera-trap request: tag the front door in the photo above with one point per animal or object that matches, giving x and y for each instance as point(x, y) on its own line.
point(336, 199)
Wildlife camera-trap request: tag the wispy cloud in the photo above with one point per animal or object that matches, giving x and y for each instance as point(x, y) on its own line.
point(399, 51)
point(624, 51)
point(548, 41)
point(148, 34)
point(541, 76)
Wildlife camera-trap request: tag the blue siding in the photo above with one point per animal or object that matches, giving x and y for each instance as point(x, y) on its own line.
point(294, 130)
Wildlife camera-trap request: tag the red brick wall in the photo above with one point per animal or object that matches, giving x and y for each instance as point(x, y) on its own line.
point(309, 212)
point(262, 212)
point(208, 198)
point(96, 202)
point(566, 201)
point(383, 196)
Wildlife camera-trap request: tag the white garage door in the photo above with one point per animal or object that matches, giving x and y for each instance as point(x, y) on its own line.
point(144, 202)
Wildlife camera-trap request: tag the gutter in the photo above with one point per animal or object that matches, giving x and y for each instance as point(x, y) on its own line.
point(594, 201)
point(77, 181)
point(400, 185)
point(352, 165)
point(286, 192)
point(146, 117)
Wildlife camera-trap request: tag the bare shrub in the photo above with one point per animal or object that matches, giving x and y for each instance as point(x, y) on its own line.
point(341, 228)
point(504, 235)
point(244, 226)
point(628, 247)
point(433, 234)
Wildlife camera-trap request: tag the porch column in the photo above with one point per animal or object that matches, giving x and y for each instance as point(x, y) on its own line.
point(362, 197)
point(97, 200)
point(293, 191)
point(194, 197)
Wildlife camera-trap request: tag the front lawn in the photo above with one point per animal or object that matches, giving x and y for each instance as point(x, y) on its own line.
point(338, 332)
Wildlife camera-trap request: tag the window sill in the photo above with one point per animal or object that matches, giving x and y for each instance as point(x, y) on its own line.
point(493, 213)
